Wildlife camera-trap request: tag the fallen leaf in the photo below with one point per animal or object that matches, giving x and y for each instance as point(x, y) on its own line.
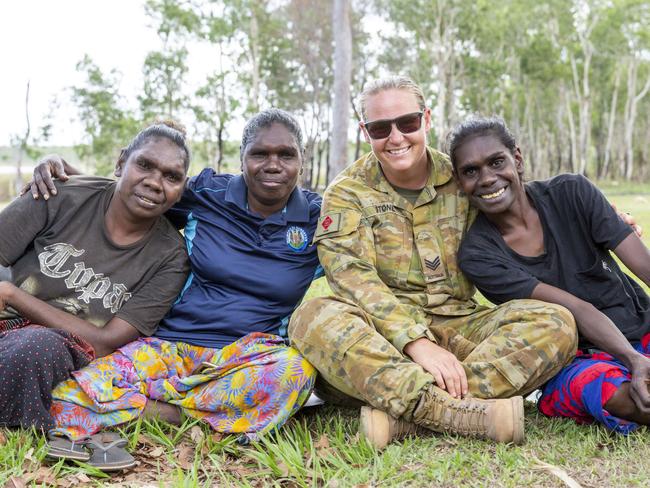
point(156, 452)
point(15, 482)
point(185, 456)
point(3, 438)
point(556, 471)
point(196, 434)
point(145, 440)
point(132, 477)
point(323, 442)
point(29, 455)
point(83, 477)
point(217, 437)
point(42, 476)
point(63, 483)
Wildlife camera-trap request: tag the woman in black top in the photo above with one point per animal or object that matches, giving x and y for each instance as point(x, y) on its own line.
point(551, 240)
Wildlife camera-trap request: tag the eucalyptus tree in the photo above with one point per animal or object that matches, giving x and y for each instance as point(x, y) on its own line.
point(104, 114)
point(165, 70)
point(342, 78)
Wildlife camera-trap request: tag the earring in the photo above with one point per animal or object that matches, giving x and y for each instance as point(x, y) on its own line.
point(301, 170)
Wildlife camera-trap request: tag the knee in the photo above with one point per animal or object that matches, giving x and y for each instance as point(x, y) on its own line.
point(563, 331)
point(303, 318)
point(561, 334)
point(318, 318)
point(325, 328)
point(549, 326)
point(621, 403)
point(35, 344)
point(299, 364)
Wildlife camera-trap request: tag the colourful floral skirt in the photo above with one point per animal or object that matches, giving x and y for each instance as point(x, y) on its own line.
point(581, 390)
point(250, 386)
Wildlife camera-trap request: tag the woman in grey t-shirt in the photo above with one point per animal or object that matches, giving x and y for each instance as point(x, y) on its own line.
point(94, 269)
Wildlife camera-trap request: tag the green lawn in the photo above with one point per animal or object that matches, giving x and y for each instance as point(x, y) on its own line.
point(320, 447)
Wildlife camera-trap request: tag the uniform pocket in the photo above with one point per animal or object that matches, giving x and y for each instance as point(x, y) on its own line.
point(393, 243)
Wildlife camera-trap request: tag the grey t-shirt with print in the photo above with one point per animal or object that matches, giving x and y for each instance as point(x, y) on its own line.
point(60, 252)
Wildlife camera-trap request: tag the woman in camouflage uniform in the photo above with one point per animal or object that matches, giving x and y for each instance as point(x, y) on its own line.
point(402, 333)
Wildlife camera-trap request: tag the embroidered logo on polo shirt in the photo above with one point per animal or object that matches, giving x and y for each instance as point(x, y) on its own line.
point(296, 238)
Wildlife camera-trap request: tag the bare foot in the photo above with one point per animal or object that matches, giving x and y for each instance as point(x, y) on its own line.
point(621, 405)
point(163, 411)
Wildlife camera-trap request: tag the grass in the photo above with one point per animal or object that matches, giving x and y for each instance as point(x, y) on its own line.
point(321, 447)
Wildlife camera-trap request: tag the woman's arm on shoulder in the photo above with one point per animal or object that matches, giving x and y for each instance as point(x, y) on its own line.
point(104, 340)
point(636, 256)
point(49, 168)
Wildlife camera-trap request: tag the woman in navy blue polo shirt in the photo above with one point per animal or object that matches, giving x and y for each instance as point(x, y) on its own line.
point(248, 239)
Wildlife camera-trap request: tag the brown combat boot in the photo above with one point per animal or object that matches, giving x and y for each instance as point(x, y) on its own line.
point(380, 428)
point(500, 420)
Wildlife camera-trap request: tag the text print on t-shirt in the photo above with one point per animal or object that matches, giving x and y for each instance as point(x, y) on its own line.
point(91, 285)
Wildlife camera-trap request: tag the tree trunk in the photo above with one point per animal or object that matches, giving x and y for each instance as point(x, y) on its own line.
point(582, 89)
point(318, 167)
point(254, 46)
point(572, 132)
point(631, 104)
point(610, 126)
point(342, 75)
point(18, 184)
point(219, 148)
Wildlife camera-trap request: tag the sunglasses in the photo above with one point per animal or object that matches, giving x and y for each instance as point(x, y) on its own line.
point(380, 129)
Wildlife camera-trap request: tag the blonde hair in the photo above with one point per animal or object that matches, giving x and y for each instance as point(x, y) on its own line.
point(389, 83)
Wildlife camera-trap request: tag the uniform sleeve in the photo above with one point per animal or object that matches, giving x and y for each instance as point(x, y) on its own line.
point(497, 276)
point(20, 223)
point(146, 308)
point(346, 249)
point(605, 226)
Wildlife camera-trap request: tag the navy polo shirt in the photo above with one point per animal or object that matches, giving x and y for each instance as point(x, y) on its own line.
point(248, 273)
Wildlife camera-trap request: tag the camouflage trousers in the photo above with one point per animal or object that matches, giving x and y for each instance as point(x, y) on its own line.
point(508, 350)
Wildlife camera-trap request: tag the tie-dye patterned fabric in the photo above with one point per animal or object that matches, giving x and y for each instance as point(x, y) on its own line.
point(580, 390)
point(254, 385)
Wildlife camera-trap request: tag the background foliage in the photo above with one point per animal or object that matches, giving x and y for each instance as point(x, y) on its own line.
point(570, 77)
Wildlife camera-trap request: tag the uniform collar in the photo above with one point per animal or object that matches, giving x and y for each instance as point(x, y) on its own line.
point(440, 174)
point(296, 210)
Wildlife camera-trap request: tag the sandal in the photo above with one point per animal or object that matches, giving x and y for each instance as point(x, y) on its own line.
point(108, 453)
point(61, 446)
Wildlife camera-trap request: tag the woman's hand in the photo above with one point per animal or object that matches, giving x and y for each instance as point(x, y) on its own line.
point(6, 289)
point(629, 220)
point(48, 169)
point(445, 368)
point(640, 369)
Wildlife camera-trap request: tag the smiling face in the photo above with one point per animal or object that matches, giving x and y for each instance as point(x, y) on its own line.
point(271, 165)
point(403, 157)
point(490, 174)
point(151, 180)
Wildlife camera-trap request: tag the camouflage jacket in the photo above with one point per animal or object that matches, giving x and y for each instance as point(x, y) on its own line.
point(397, 261)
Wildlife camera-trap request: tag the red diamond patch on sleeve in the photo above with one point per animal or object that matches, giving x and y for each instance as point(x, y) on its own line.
point(327, 221)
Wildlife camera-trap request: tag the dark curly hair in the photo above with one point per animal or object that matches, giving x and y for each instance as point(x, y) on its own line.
point(167, 129)
point(477, 126)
